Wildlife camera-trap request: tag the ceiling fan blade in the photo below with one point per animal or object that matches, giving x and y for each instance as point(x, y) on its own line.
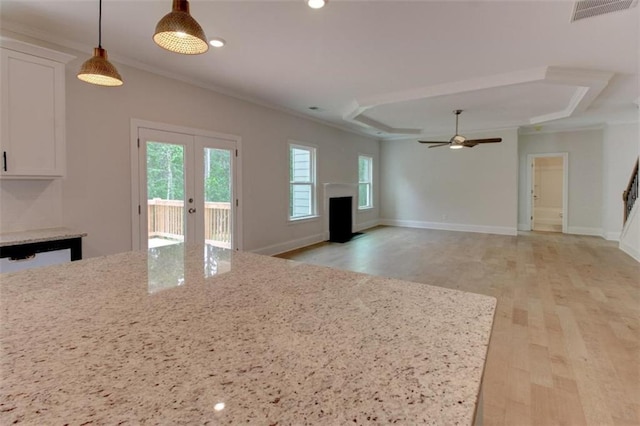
point(433, 142)
point(477, 141)
point(439, 144)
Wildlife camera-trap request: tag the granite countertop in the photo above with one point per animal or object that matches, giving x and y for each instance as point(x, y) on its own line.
point(194, 335)
point(38, 235)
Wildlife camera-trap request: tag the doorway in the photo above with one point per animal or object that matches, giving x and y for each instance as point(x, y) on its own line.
point(187, 188)
point(548, 192)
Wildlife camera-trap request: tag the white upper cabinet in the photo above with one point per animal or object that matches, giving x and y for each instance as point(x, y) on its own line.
point(32, 91)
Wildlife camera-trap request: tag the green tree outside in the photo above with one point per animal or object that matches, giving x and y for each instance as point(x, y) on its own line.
point(165, 173)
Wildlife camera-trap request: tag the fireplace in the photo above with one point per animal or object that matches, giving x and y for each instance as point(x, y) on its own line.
point(340, 226)
point(339, 190)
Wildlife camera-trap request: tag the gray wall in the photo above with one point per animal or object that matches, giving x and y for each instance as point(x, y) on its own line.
point(95, 195)
point(585, 176)
point(621, 146)
point(467, 189)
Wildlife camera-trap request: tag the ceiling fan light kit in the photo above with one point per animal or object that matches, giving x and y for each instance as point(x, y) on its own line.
point(458, 141)
point(178, 32)
point(97, 69)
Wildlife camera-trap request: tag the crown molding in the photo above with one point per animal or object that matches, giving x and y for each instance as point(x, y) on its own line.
point(588, 84)
point(18, 32)
point(35, 50)
point(472, 134)
point(529, 131)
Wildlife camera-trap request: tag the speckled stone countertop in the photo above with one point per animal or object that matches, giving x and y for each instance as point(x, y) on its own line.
point(208, 336)
point(38, 235)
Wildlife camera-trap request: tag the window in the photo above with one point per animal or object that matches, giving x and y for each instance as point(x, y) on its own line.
point(365, 169)
point(302, 180)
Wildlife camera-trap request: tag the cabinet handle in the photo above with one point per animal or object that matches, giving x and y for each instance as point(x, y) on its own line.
point(4, 160)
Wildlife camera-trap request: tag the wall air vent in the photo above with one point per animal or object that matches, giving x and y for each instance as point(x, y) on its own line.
point(588, 8)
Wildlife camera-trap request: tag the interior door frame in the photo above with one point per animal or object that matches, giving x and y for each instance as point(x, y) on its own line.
point(137, 174)
point(565, 186)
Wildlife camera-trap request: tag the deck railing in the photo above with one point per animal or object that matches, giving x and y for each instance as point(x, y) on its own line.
point(165, 219)
point(630, 195)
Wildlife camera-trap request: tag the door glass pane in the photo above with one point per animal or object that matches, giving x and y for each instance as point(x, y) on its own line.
point(165, 193)
point(217, 197)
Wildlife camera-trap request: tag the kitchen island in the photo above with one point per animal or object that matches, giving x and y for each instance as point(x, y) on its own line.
point(203, 335)
point(39, 247)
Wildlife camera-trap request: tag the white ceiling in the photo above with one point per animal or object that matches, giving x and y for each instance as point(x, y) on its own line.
point(383, 68)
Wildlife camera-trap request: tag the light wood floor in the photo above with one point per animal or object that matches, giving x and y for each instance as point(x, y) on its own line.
point(565, 348)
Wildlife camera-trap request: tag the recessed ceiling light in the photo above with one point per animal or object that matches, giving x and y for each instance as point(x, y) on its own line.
point(314, 108)
point(217, 42)
point(316, 4)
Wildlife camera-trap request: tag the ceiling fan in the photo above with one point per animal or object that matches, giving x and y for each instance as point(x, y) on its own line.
point(459, 141)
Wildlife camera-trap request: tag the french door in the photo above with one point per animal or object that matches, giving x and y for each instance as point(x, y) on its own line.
point(187, 189)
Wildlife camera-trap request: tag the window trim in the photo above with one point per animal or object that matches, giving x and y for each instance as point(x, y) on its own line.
point(369, 182)
point(314, 178)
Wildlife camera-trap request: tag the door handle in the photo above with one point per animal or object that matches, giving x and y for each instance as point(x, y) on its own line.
point(192, 210)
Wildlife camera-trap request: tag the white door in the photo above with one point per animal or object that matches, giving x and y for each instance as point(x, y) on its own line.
point(186, 189)
point(215, 163)
point(547, 194)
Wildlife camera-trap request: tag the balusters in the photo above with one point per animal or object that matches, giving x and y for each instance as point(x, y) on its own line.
point(630, 195)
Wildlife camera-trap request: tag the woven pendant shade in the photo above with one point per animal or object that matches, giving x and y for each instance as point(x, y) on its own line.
point(178, 32)
point(98, 70)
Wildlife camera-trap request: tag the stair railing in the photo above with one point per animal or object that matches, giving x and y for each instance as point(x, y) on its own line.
point(630, 195)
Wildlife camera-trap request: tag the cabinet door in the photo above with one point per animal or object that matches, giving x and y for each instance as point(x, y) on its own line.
point(32, 136)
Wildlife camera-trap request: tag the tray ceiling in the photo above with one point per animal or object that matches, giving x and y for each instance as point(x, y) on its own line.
point(383, 68)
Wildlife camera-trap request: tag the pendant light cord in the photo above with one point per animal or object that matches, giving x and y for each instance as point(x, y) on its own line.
point(100, 24)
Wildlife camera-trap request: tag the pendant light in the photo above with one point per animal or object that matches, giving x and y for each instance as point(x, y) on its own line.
point(178, 32)
point(98, 70)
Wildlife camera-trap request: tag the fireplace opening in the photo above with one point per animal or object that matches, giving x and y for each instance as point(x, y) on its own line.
point(340, 226)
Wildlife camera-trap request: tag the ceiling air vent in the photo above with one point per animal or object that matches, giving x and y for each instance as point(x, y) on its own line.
point(589, 8)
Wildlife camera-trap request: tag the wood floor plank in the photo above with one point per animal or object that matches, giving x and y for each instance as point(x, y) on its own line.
point(540, 366)
point(568, 402)
point(565, 347)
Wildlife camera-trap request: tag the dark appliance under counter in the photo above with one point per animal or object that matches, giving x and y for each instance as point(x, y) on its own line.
point(43, 247)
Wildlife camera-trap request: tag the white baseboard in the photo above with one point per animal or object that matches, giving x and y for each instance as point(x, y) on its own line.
point(359, 227)
point(631, 251)
point(611, 236)
point(524, 227)
point(580, 230)
point(366, 225)
point(500, 230)
point(548, 228)
point(307, 241)
point(289, 245)
point(549, 221)
point(631, 226)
